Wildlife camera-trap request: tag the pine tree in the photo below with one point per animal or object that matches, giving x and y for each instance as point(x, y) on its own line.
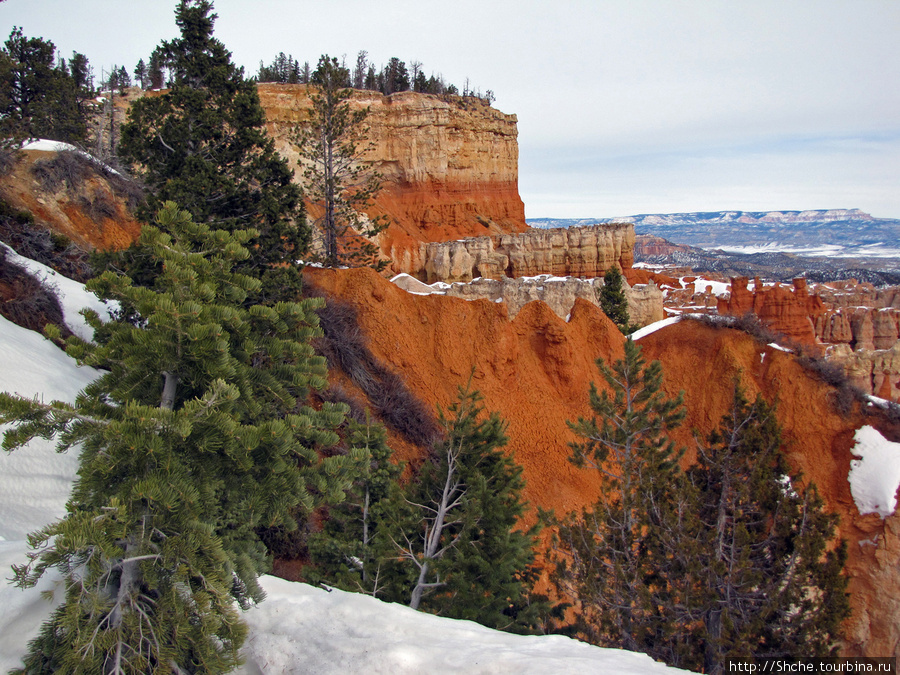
point(331, 144)
point(41, 98)
point(203, 144)
point(195, 436)
point(141, 74)
point(461, 551)
point(730, 559)
point(612, 299)
point(606, 565)
point(352, 549)
point(749, 551)
point(155, 69)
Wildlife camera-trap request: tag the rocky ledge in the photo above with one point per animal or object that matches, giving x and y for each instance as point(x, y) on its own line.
point(579, 251)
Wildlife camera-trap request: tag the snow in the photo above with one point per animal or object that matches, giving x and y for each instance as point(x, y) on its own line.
point(719, 288)
point(44, 145)
point(875, 477)
point(34, 480)
point(337, 633)
point(412, 285)
point(653, 327)
point(72, 295)
point(298, 628)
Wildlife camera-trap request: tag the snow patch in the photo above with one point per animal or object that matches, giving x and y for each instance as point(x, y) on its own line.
point(35, 480)
point(303, 629)
point(653, 327)
point(875, 477)
point(44, 145)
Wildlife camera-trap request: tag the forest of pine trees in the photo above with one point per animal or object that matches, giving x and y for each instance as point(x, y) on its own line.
point(392, 77)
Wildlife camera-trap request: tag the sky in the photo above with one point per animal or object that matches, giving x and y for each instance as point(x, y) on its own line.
point(624, 107)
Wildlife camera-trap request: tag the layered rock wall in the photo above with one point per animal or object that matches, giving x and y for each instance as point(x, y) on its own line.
point(859, 324)
point(577, 251)
point(449, 165)
point(645, 301)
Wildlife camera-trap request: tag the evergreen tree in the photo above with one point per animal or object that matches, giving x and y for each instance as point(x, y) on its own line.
point(331, 144)
point(155, 70)
point(203, 144)
point(141, 74)
point(748, 548)
point(461, 554)
point(359, 72)
point(196, 435)
point(727, 560)
point(607, 566)
point(41, 98)
point(396, 77)
point(285, 69)
point(612, 299)
point(352, 549)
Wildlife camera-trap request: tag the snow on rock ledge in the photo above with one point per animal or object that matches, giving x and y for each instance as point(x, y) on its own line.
point(875, 477)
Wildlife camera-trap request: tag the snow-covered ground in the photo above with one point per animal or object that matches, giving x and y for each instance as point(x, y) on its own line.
point(879, 250)
point(298, 628)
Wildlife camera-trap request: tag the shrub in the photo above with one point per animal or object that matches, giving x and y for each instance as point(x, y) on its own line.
point(748, 323)
point(68, 167)
point(9, 156)
point(99, 207)
point(71, 168)
point(344, 346)
point(845, 395)
point(32, 303)
point(19, 231)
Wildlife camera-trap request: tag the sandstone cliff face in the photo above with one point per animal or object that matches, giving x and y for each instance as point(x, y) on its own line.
point(875, 372)
point(450, 167)
point(578, 251)
point(535, 371)
point(559, 293)
point(648, 245)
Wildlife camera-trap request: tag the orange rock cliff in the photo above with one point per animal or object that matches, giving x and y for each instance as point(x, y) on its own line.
point(450, 172)
point(450, 166)
point(535, 370)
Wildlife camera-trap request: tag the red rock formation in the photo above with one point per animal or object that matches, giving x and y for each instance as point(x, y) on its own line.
point(646, 245)
point(450, 166)
point(535, 371)
point(884, 328)
point(578, 251)
point(791, 312)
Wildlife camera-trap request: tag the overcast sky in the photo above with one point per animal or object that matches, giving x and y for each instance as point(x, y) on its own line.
point(624, 106)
